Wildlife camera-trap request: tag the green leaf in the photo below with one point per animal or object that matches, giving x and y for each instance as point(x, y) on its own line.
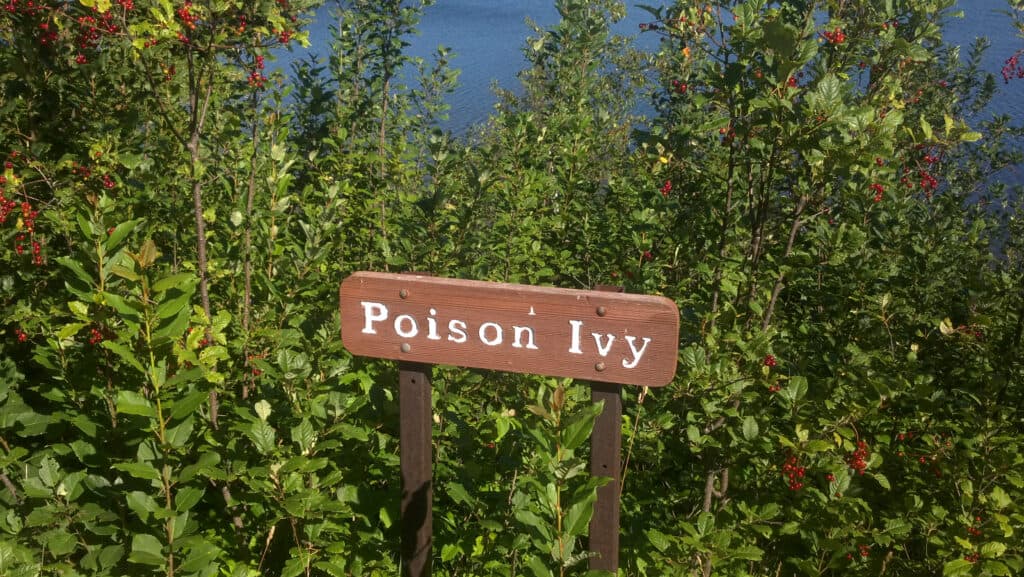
point(120, 231)
point(998, 498)
point(110, 556)
point(179, 435)
point(187, 497)
point(750, 428)
point(993, 549)
point(532, 520)
point(146, 549)
point(997, 568)
point(882, 480)
point(926, 129)
point(957, 567)
point(659, 540)
point(200, 555)
point(263, 436)
point(187, 405)
point(122, 306)
point(970, 137)
point(80, 310)
point(49, 472)
point(74, 267)
point(458, 493)
point(70, 330)
point(174, 281)
point(577, 519)
point(125, 354)
point(132, 403)
point(262, 408)
point(746, 553)
point(304, 436)
point(579, 427)
point(141, 504)
point(174, 306)
point(537, 567)
point(705, 522)
point(139, 470)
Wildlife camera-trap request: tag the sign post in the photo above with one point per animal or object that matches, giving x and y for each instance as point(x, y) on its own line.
point(416, 463)
point(605, 452)
point(604, 336)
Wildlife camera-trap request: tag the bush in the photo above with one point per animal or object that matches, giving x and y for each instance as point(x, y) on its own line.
point(814, 190)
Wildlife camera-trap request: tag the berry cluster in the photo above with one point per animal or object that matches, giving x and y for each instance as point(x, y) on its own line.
point(878, 189)
point(680, 87)
point(256, 77)
point(95, 336)
point(90, 30)
point(6, 205)
point(863, 550)
point(1013, 68)
point(47, 35)
point(255, 372)
point(188, 19)
point(836, 36)
point(858, 460)
point(666, 188)
point(928, 182)
point(792, 470)
point(20, 335)
point(84, 171)
point(769, 360)
point(974, 529)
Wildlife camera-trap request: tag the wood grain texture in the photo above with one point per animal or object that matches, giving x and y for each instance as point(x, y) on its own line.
point(598, 336)
point(416, 460)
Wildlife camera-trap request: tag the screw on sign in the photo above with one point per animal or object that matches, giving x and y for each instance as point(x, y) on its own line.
point(603, 336)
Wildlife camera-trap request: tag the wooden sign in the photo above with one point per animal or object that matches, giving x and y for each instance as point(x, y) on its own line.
point(599, 336)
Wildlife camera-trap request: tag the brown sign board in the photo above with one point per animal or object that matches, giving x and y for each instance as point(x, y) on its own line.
point(598, 336)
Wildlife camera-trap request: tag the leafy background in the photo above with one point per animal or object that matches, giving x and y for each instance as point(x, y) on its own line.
point(814, 188)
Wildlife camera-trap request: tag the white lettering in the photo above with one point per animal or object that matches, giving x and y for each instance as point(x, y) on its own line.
point(432, 326)
point(456, 331)
point(603, 350)
point(379, 313)
point(574, 347)
point(413, 328)
point(497, 334)
point(637, 354)
point(520, 331)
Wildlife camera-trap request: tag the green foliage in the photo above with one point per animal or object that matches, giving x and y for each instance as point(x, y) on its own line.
point(814, 189)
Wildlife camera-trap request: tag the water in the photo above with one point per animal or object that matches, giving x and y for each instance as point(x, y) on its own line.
point(487, 38)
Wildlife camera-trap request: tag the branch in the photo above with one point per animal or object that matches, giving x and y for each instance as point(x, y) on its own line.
point(780, 281)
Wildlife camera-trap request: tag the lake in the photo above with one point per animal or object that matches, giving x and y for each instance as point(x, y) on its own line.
point(487, 36)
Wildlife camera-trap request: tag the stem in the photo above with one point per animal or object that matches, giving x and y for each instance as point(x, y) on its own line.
point(794, 229)
point(247, 239)
point(10, 487)
point(199, 106)
point(161, 432)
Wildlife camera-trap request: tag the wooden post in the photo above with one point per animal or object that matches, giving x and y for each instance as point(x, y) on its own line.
point(415, 416)
point(605, 449)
